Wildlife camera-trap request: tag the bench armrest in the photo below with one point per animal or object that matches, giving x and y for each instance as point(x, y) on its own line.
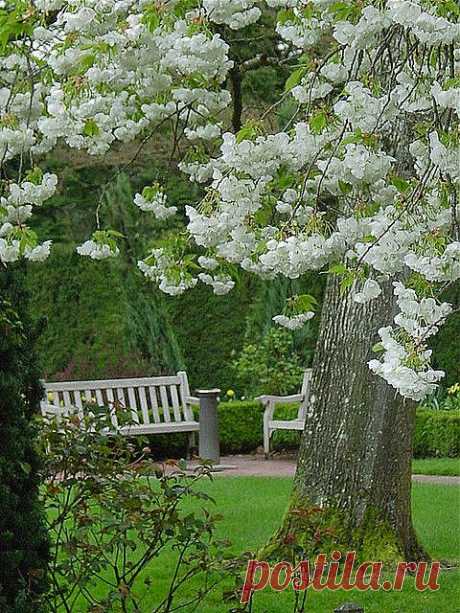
point(270, 403)
point(192, 400)
point(274, 400)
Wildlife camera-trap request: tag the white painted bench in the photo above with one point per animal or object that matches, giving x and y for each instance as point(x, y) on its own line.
point(270, 403)
point(152, 405)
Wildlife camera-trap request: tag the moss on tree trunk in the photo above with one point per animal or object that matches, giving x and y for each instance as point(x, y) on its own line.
point(352, 489)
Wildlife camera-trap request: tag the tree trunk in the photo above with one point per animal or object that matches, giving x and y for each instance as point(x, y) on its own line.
point(352, 489)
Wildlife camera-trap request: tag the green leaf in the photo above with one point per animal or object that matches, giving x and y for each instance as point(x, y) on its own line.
point(86, 63)
point(303, 303)
point(401, 184)
point(25, 467)
point(344, 10)
point(249, 131)
point(151, 17)
point(295, 78)
point(35, 175)
point(347, 281)
point(318, 122)
point(338, 269)
point(355, 138)
point(91, 128)
point(285, 15)
point(345, 188)
point(115, 234)
point(448, 8)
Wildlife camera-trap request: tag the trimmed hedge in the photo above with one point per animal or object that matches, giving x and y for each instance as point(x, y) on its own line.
point(437, 433)
point(241, 431)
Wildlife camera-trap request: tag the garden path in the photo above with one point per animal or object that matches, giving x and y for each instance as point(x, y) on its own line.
point(284, 466)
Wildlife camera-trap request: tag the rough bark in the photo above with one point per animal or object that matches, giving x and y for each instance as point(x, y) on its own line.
point(237, 93)
point(352, 489)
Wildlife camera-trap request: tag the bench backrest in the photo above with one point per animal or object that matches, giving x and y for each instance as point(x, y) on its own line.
point(305, 391)
point(147, 400)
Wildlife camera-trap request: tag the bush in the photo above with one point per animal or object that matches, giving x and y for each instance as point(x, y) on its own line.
point(270, 367)
point(437, 433)
point(444, 400)
point(114, 517)
point(241, 431)
point(23, 539)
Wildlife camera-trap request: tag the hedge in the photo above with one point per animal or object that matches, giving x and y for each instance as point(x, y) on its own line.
point(241, 431)
point(437, 433)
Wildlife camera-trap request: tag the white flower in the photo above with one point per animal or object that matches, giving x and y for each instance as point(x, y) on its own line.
point(38, 253)
point(236, 14)
point(208, 263)
point(9, 251)
point(154, 200)
point(295, 322)
point(371, 290)
point(221, 284)
point(97, 251)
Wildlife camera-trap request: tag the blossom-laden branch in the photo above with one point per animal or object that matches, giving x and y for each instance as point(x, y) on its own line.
point(362, 182)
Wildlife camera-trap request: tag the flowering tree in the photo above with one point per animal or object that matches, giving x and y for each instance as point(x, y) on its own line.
point(362, 181)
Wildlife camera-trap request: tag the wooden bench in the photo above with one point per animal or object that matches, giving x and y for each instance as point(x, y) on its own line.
point(152, 405)
point(270, 403)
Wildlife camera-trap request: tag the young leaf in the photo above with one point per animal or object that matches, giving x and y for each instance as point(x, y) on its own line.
point(295, 78)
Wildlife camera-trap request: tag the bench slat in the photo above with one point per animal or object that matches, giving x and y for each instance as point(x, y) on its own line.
point(78, 403)
point(154, 403)
point(133, 405)
point(165, 404)
point(112, 383)
point(113, 415)
point(175, 403)
point(144, 405)
point(99, 398)
point(77, 397)
point(185, 394)
point(163, 428)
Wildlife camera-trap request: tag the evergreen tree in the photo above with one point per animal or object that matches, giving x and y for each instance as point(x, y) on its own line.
point(23, 539)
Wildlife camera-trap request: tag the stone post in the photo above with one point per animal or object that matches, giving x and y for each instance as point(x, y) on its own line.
point(209, 448)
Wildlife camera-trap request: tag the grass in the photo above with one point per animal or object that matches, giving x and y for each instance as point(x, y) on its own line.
point(436, 466)
point(252, 508)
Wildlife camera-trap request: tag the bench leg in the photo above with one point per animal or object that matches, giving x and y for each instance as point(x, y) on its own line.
point(191, 444)
point(266, 441)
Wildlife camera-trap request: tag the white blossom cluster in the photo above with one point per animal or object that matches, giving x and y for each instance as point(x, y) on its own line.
point(97, 251)
point(16, 207)
point(370, 290)
point(295, 321)
point(161, 268)
point(154, 199)
point(221, 284)
point(406, 361)
point(236, 14)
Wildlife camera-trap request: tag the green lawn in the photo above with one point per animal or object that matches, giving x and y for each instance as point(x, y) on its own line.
point(252, 508)
point(436, 466)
